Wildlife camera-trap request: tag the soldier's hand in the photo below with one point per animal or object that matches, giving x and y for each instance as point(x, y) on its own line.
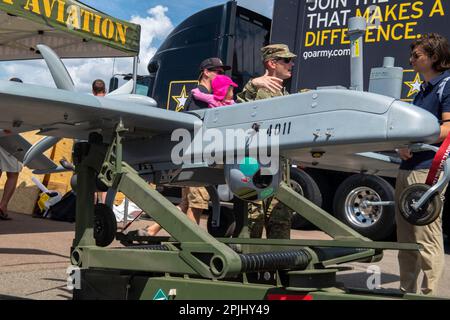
point(404, 154)
point(270, 83)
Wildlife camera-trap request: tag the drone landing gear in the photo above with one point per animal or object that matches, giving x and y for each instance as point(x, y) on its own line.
point(421, 204)
point(105, 225)
point(424, 215)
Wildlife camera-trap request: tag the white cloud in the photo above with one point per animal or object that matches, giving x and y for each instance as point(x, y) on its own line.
point(155, 26)
point(29, 71)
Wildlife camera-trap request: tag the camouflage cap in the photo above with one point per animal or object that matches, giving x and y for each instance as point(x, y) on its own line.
point(276, 51)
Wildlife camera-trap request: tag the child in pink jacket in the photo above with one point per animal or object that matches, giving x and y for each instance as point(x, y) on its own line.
point(222, 88)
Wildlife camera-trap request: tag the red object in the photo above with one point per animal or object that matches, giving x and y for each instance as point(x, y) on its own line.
point(129, 223)
point(286, 297)
point(438, 162)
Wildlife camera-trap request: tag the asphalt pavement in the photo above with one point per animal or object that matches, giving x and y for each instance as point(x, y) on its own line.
point(34, 257)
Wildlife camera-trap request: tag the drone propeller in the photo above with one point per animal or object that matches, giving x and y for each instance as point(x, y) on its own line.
point(62, 81)
point(39, 148)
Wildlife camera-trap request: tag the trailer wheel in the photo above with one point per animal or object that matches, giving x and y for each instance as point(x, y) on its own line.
point(374, 222)
point(227, 224)
point(302, 183)
point(105, 225)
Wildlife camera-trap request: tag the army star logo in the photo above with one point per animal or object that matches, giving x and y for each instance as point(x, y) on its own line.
point(181, 100)
point(414, 86)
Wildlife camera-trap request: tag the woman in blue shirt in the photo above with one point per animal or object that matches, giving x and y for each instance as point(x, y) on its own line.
point(430, 56)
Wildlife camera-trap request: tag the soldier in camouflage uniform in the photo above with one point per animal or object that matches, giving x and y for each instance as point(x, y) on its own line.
point(275, 216)
point(278, 61)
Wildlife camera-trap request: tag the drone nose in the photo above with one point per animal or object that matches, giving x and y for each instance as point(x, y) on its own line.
point(411, 123)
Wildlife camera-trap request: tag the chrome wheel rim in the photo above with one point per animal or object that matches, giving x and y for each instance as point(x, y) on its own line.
point(359, 214)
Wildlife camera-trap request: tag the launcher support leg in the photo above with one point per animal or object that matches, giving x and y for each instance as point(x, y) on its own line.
point(84, 228)
point(207, 256)
point(87, 159)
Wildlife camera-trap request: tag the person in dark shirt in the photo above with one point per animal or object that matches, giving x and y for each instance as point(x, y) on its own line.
point(210, 68)
point(430, 56)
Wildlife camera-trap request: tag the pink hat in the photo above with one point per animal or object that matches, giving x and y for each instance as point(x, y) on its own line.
point(220, 85)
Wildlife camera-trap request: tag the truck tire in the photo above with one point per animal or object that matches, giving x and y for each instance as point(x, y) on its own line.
point(327, 181)
point(374, 222)
point(302, 183)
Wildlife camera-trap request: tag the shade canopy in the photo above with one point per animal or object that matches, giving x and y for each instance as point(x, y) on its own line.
point(71, 28)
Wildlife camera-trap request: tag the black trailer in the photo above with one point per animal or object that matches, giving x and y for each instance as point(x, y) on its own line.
point(316, 31)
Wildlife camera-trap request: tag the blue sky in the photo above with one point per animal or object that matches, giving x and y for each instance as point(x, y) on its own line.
point(157, 19)
point(178, 9)
point(124, 9)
